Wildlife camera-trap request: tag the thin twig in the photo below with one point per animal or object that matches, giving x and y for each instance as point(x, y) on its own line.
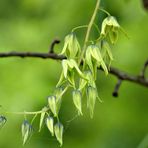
point(51, 50)
point(116, 90)
point(142, 74)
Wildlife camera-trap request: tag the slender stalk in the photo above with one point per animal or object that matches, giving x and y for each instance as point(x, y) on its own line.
point(26, 113)
point(79, 27)
point(89, 30)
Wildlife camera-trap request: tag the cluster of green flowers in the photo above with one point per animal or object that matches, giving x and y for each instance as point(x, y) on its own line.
point(79, 73)
point(80, 70)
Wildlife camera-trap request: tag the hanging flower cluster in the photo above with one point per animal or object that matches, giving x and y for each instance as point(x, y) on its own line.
point(79, 72)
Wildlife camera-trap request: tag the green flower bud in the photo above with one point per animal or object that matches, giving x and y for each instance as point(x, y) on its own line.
point(59, 91)
point(52, 105)
point(3, 121)
point(109, 23)
point(26, 131)
point(77, 99)
point(71, 46)
point(42, 117)
point(50, 123)
point(91, 99)
point(58, 129)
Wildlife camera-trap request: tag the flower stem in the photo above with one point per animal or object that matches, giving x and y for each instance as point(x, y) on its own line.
point(89, 30)
point(26, 113)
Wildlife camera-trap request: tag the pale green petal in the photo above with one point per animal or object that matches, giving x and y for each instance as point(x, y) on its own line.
point(42, 117)
point(65, 67)
point(91, 99)
point(77, 99)
point(52, 104)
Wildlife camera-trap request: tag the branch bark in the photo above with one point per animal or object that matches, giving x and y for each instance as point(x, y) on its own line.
point(114, 71)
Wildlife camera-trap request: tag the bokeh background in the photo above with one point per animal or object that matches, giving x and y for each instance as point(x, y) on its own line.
point(31, 25)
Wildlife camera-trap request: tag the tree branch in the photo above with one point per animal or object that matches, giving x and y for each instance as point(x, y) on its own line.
point(114, 71)
point(33, 55)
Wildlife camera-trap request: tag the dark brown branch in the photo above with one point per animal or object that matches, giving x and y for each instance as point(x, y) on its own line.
point(145, 4)
point(33, 55)
point(142, 74)
point(116, 90)
point(51, 49)
point(127, 77)
point(119, 74)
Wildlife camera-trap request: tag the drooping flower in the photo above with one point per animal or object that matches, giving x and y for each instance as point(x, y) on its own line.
point(50, 124)
point(110, 27)
point(91, 99)
point(94, 59)
point(44, 109)
point(71, 46)
point(52, 104)
point(58, 129)
point(26, 131)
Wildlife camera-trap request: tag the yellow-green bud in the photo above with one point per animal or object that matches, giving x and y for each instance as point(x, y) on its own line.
point(50, 123)
point(71, 46)
point(91, 99)
point(77, 99)
point(58, 129)
point(52, 104)
point(26, 131)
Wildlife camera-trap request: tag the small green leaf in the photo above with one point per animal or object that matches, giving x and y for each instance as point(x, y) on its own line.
point(58, 128)
point(42, 117)
point(77, 99)
point(50, 123)
point(52, 105)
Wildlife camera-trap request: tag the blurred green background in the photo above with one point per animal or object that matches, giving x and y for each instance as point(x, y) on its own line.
point(31, 25)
